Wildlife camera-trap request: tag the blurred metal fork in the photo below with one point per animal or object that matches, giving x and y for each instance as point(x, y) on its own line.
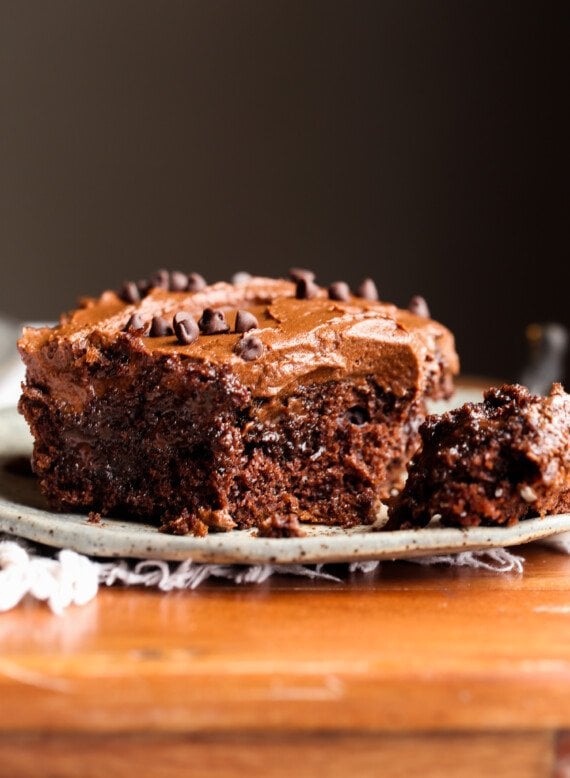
point(547, 346)
point(9, 331)
point(11, 369)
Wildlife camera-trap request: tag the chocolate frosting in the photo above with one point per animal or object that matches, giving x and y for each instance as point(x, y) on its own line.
point(305, 341)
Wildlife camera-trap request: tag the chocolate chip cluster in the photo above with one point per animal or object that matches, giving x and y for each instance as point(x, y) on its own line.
point(169, 280)
point(211, 322)
point(307, 289)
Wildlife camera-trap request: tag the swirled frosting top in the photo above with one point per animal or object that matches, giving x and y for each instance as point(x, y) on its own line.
point(304, 341)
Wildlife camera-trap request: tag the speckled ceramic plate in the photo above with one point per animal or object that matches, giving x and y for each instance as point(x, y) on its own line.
point(23, 512)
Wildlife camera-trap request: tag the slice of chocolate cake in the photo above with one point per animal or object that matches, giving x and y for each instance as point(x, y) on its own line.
point(220, 406)
point(495, 462)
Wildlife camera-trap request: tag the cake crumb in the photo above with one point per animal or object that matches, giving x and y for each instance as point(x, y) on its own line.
point(216, 519)
point(279, 526)
point(198, 523)
point(94, 517)
point(197, 527)
point(185, 523)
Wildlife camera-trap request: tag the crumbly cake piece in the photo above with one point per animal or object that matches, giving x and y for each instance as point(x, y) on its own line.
point(495, 462)
point(220, 406)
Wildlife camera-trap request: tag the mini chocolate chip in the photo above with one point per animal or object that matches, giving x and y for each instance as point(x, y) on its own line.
point(135, 324)
point(159, 327)
point(241, 278)
point(144, 286)
point(339, 291)
point(213, 322)
point(367, 290)
point(419, 306)
point(178, 281)
point(185, 328)
point(129, 292)
point(160, 279)
point(181, 316)
point(195, 282)
point(249, 347)
point(298, 273)
point(306, 289)
point(245, 321)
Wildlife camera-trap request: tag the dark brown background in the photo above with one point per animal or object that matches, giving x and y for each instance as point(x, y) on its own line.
point(419, 142)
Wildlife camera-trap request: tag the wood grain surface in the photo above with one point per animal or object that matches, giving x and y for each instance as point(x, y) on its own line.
point(392, 663)
point(477, 755)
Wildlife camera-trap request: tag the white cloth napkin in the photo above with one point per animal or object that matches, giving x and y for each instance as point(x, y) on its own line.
point(74, 579)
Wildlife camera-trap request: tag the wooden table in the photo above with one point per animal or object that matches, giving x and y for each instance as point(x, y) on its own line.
point(402, 672)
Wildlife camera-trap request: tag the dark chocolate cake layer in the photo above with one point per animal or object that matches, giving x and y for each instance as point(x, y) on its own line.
point(495, 462)
point(309, 411)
